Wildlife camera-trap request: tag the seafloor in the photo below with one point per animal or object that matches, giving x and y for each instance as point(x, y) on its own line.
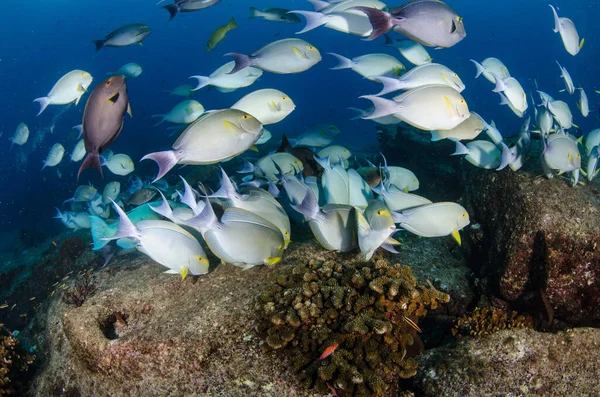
point(524, 302)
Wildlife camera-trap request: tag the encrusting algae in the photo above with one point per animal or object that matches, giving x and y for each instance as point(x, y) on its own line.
point(14, 360)
point(486, 321)
point(352, 328)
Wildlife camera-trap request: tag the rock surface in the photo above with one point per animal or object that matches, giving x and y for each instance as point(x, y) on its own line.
point(145, 333)
point(540, 241)
point(514, 363)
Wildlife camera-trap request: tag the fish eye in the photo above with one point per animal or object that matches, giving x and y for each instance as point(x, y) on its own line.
point(284, 97)
point(455, 75)
point(462, 101)
point(311, 47)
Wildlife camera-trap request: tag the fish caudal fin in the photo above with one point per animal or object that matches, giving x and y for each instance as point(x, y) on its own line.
point(382, 107)
point(100, 231)
point(164, 209)
point(252, 13)
point(313, 19)
point(460, 149)
point(44, 102)
point(381, 21)
point(309, 207)
point(92, 160)
point(163, 118)
point(126, 228)
point(241, 62)
point(203, 81)
point(99, 44)
point(390, 84)
point(318, 5)
point(165, 161)
point(506, 157)
point(480, 68)
point(343, 62)
point(173, 10)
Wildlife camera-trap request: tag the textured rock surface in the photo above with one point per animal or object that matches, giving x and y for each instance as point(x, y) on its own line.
point(540, 240)
point(514, 363)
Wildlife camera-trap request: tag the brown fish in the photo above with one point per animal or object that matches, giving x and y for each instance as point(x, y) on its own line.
point(103, 119)
point(142, 196)
point(305, 155)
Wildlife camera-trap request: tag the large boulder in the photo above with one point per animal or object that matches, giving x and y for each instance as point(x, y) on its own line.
point(514, 363)
point(538, 242)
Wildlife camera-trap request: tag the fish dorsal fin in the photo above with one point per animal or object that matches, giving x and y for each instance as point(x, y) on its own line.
point(129, 110)
point(285, 145)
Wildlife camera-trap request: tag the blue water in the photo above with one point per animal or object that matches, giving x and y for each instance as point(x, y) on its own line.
point(42, 40)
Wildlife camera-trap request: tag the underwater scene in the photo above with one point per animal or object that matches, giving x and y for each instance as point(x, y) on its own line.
point(300, 198)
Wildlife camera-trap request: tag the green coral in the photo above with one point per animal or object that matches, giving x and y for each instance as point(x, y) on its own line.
point(365, 313)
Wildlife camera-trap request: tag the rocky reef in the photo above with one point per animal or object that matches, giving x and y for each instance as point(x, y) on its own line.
point(538, 244)
point(15, 361)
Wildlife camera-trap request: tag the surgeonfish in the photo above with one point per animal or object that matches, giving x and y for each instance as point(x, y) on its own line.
point(568, 33)
point(334, 227)
point(564, 74)
point(184, 90)
point(337, 154)
point(592, 165)
point(256, 201)
point(187, 6)
point(371, 238)
point(214, 137)
point(119, 164)
point(583, 103)
point(492, 132)
point(514, 93)
point(185, 112)
point(78, 151)
point(398, 200)
point(103, 119)
point(484, 154)
point(561, 112)
point(419, 76)
point(561, 153)
point(431, 23)
point(222, 78)
point(55, 156)
point(273, 14)
point(83, 193)
point(467, 130)
point(414, 53)
point(282, 57)
point(432, 107)
point(142, 196)
point(268, 106)
point(370, 65)
point(123, 36)
point(21, 135)
point(129, 70)
point(164, 242)
point(69, 88)
point(434, 220)
point(111, 192)
point(592, 139)
point(490, 67)
point(272, 165)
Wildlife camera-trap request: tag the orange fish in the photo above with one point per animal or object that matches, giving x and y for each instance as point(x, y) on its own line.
point(328, 352)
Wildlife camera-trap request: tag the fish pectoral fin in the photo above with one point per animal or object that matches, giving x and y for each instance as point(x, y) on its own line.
point(129, 110)
point(184, 271)
point(392, 241)
point(448, 104)
point(272, 260)
point(113, 98)
point(254, 148)
point(80, 88)
point(140, 43)
point(581, 43)
point(446, 78)
point(456, 236)
point(583, 172)
point(298, 53)
point(229, 125)
point(570, 157)
point(274, 106)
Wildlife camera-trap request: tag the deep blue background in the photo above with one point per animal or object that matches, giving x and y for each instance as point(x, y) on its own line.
point(42, 40)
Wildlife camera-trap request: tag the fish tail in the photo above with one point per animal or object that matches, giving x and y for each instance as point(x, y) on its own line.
point(506, 157)
point(99, 44)
point(309, 207)
point(480, 68)
point(318, 5)
point(173, 10)
point(58, 215)
point(248, 168)
point(343, 62)
point(460, 149)
point(164, 209)
point(360, 113)
point(126, 228)
point(252, 13)
point(100, 231)
point(163, 117)
point(241, 61)
point(313, 20)
point(436, 136)
point(44, 102)
point(390, 84)
point(12, 143)
point(382, 107)
point(232, 24)
point(203, 81)
point(92, 160)
point(381, 21)
point(165, 161)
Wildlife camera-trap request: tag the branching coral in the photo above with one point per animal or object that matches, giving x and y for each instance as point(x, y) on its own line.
point(370, 311)
point(13, 362)
point(489, 320)
point(83, 288)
